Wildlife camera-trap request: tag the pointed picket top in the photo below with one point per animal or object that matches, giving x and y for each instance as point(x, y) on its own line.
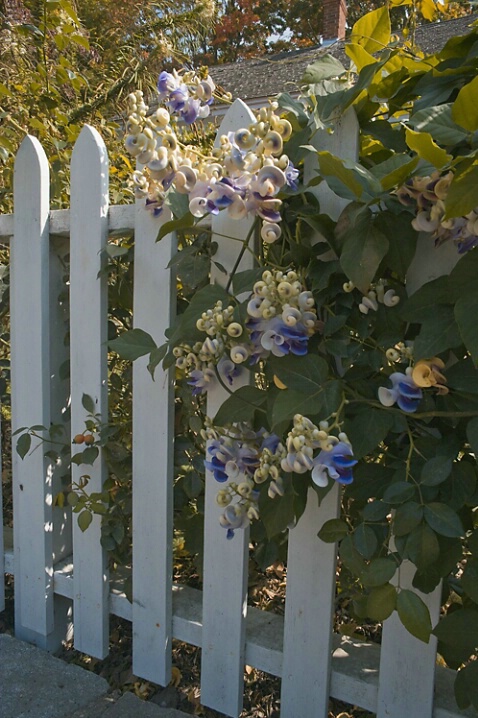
point(30, 332)
point(238, 115)
point(89, 374)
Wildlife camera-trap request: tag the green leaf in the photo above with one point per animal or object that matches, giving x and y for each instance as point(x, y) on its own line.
point(156, 356)
point(88, 403)
point(23, 445)
point(375, 511)
point(364, 247)
point(465, 108)
point(244, 281)
point(436, 471)
point(133, 344)
point(185, 326)
point(304, 374)
point(333, 530)
point(466, 311)
point(439, 123)
point(372, 31)
point(381, 602)
point(240, 406)
point(279, 513)
point(399, 492)
point(469, 579)
point(334, 168)
point(367, 430)
point(322, 69)
point(443, 520)
point(394, 171)
point(461, 196)
point(350, 557)
point(365, 540)
point(378, 572)
point(466, 686)
point(422, 143)
point(472, 434)
point(322, 402)
point(414, 615)
point(90, 455)
point(174, 225)
point(438, 333)
point(422, 546)
point(178, 203)
point(425, 301)
point(85, 519)
point(459, 629)
point(406, 518)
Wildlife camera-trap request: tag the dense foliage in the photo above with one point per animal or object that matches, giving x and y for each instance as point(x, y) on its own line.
point(354, 367)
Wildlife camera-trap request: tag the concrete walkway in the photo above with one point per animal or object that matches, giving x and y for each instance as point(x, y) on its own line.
point(34, 684)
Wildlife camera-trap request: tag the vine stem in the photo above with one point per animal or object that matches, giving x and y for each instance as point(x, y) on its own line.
point(244, 248)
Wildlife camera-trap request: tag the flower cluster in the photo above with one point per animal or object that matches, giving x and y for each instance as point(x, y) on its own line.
point(242, 459)
point(406, 390)
point(243, 175)
point(428, 195)
point(281, 319)
point(377, 294)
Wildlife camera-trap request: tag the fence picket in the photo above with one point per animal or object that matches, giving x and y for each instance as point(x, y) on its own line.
point(407, 661)
point(225, 562)
point(88, 328)
point(30, 339)
point(309, 611)
point(153, 438)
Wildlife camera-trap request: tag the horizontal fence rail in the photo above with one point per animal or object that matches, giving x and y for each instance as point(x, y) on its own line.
point(61, 573)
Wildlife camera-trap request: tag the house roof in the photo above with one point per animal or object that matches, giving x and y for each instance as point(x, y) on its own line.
point(262, 77)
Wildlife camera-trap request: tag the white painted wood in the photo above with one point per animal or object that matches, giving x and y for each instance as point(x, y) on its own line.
point(406, 661)
point(430, 262)
point(225, 561)
point(309, 611)
point(30, 374)
point(153, 440)
point(88, 350)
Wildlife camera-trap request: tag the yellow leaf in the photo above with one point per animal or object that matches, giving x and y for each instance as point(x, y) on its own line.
point(422, 143)
point(465, 108)
point(373, 30)
point(279, 384)
point(400, 3)
point(428, 9)
point(359, 56)
point(176, 676)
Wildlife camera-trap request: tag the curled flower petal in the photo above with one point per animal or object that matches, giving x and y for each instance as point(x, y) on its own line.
point(270, 232)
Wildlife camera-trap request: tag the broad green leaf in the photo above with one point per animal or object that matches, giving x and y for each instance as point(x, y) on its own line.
point(399, 492)
point(184, 329)
point(462, 485)
point(322, 402)
point(367, 430)
point(85, 519)
point(372, 31)
point(350, 557)
point(378, 572)
point(365, 540)
point(461, 197)
point(304, 374)
point(439, 123)
point(466, 311)
point(364, 247)
point(381, 602)
point(424, 302)
point(443, 520)
point(423, 144)
point(407, 517)
point(156, 356)
point(241, 405)
point(244, 281)
point(88, 403)
point(422, 546)
point(279, 513)
point(414, 615)
point(436, 471)
point(469, 579)
point(334, 167)
point(459, 629)
point(333, 530)
point(323, 69)
point(185, 222)
point(439, 332)
point(394, 171)
point(23, 445)
point(472, 435)
point(465, 108)
point(375, 511)
point(133, 344)
point(466, 686)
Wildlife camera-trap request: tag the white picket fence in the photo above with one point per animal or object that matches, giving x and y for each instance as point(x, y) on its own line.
point(57, 567)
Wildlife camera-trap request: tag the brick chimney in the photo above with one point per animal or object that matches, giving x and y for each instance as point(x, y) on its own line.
point(335, 15)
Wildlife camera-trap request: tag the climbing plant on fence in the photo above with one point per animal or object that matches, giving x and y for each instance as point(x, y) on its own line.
point(342, 360)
